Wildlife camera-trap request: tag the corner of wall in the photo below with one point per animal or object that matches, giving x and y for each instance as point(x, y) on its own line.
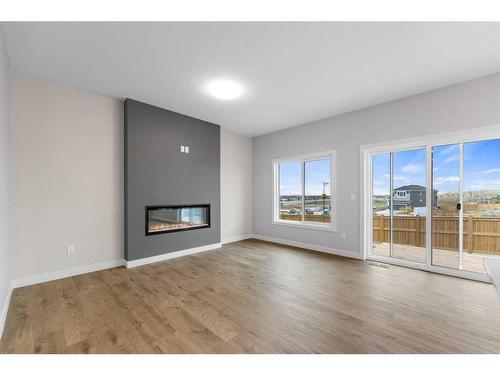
point(236, 186)
point(5, 181)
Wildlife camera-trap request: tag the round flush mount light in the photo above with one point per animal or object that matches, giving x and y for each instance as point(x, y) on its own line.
point(225, 89)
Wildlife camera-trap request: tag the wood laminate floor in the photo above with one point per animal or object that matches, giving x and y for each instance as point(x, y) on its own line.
point(255, 297)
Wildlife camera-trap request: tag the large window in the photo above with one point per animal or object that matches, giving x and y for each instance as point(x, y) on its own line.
point(304, 191)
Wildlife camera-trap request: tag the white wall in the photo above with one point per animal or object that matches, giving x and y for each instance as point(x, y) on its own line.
point(5, 180)
point(68, 177)
point(236, 186)
point(471, 104)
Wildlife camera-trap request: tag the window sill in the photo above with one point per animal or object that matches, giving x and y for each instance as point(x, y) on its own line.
point(289, 223)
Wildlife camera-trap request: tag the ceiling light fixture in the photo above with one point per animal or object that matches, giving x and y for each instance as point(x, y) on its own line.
point(225, 89)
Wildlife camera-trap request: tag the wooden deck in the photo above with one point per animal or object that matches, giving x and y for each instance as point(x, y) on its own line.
point(445, 258)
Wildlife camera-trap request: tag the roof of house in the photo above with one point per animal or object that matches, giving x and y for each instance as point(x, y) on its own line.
point(411, 188)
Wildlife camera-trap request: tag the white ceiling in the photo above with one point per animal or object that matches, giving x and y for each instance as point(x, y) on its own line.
point(294, 72)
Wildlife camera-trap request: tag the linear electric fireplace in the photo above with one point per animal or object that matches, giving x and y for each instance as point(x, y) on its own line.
point(164, 219)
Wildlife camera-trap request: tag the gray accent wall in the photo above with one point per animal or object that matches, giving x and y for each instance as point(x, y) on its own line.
point(158, 173)
point(463, 106)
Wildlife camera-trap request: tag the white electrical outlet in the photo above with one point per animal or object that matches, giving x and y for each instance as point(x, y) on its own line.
point(71, 249)
point(342, 235)
point(353, 196)
point(183, 148)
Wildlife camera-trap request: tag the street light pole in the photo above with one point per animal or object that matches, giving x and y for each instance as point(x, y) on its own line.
point(325, 184)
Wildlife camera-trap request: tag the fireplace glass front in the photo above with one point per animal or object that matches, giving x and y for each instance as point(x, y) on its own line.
point(163, 219)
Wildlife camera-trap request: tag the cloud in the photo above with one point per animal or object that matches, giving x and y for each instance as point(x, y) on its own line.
point(380, 191)
point(491, 184)
point(446, 150)
point(443, 180)
point(403, 179)
point(413, 168)
point(488, 171)
point(450, 159)
point(290, 189)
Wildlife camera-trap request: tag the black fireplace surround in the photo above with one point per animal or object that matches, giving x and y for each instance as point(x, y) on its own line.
point(176, 218)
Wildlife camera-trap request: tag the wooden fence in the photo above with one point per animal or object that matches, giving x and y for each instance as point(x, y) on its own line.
point(314, 218)
point(481, 234)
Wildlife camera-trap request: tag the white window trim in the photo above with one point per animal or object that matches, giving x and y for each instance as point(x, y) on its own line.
point(332, 226)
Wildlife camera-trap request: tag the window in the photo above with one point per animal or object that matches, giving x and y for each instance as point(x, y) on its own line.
point(304, 191)
point(290, 207)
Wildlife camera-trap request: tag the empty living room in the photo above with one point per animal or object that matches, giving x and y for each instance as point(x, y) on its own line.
point(218, 186)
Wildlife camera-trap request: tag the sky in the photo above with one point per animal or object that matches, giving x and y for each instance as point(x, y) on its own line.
point(315, 173)
point(481, 168)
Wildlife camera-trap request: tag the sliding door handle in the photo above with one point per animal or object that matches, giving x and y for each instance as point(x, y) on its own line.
point(459, 206)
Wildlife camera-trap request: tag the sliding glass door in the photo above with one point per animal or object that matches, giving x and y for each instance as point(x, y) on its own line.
point(481, 203)
point(408, 208)
point(436, 206)
point(399, 205)
point(446, 206)
point(466, 217)
point(381, 203)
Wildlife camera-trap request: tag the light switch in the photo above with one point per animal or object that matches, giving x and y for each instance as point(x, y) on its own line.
point(182, 148)
point(186, 149)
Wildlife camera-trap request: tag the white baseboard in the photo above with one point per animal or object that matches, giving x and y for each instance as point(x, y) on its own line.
point(175, 254)
point(237, 238)
point(42, 278)
point(319, 248)
point(5, 308)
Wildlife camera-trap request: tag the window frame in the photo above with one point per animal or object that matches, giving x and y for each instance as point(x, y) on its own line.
point(332, 226)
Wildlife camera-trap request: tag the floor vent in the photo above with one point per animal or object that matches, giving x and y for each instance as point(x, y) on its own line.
point(377, 264)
